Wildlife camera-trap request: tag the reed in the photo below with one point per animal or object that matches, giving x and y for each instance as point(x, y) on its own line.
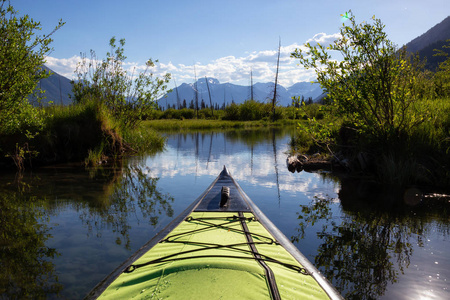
point(79, 131)
point(418, 155)
point(83, 132)
point(202, 124)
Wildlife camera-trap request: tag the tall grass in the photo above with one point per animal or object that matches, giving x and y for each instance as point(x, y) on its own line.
point(419, 155)
point(143, 139)
point(75, 132)
point(83, 132)
point(196, 124)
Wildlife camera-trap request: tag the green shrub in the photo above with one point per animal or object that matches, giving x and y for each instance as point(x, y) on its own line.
point(231, 112)
point(171, 113)
point(187, 113)
point(22, 55)
point(71, 132)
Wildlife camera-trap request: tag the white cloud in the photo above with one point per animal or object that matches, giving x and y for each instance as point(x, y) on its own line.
point(324, 39)
point(63, 66)
point(226, 69)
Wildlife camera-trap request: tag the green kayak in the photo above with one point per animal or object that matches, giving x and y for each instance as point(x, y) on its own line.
point(221, 247)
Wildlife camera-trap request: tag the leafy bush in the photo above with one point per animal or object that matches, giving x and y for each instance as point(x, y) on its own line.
point(374, 84)
point(231, 112)
point(22, 55)
point(126, 95)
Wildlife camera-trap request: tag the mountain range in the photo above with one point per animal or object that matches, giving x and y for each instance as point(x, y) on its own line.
point(227, 92)
point(58, 88)
point(435, 38)
point(439, 32)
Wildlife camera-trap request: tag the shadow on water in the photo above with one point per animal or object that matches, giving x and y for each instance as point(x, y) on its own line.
point(371, 242)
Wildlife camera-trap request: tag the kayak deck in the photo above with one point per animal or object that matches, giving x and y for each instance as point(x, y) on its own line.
point(208, 256)
point(220, 247)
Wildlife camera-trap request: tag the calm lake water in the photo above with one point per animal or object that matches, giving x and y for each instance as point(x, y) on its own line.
point(63, 229)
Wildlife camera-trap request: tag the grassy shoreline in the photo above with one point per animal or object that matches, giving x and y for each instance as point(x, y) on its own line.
point(88, 133)
point(421, 157)
point(202, 124)
point(85, 133)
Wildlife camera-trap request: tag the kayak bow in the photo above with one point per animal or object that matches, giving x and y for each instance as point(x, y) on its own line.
point(221, 247)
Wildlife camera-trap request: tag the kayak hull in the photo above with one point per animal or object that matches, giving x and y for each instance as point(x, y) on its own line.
point(218, 252)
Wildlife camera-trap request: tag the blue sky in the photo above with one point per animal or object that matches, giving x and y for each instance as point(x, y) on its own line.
point(223, 39)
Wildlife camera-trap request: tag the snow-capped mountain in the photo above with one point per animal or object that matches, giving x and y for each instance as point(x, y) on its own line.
point(227, 92)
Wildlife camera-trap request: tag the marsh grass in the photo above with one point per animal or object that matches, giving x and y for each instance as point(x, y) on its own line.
point(96, 156)
point(82, 132)
point(143, 139)
point(202, 124)
point(79, 131)
point(420, 155)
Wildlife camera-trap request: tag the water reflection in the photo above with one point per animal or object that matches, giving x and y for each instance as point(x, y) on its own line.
point(359, 236)
point(253, 155)
point(366, 249)
point(79, 210)
point(131, 192)
point(27, 271)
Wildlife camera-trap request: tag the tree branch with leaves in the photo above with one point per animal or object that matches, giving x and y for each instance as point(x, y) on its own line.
point(22, 57)
point(374, 82)
point(126, 94)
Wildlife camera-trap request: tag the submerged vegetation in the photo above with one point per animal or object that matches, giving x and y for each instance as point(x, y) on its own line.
point(385, 114)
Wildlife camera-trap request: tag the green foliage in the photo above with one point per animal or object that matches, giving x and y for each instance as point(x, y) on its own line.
point(318, 128)
point(22, 55)
point(143, 139)
point(441, 78)
point(86, 132)
point(21, 154)
point(374, 83)
point(231, 112)
point(70, 133)
point(127, 95)
point(252, 110)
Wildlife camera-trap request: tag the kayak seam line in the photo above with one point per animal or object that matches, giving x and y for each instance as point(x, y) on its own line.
point(267, 270)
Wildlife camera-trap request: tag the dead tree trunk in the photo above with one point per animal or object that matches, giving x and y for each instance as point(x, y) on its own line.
point(276, 83)
point(210, 101)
